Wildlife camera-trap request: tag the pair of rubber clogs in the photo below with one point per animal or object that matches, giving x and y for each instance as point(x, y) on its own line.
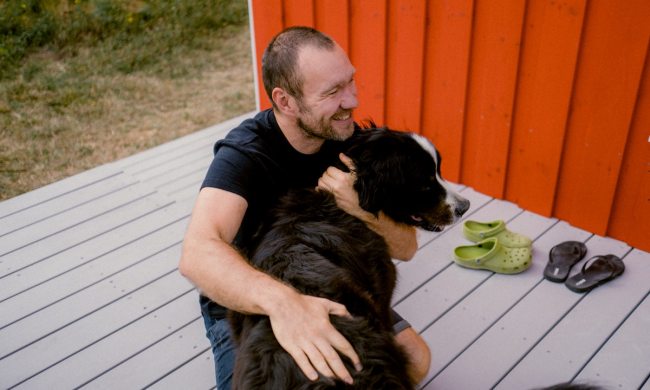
point(497, 249)
point(595, 271)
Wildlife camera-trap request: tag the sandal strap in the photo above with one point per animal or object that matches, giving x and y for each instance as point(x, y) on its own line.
point(606, 264)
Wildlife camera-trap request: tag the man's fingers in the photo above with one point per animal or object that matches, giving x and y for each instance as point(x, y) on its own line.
point(312, 341)
point(335, 363)
point(318, 360)
point(343, 346)
point(337, 309)
point(348, 162)
point(331, 180)
point(304, 364)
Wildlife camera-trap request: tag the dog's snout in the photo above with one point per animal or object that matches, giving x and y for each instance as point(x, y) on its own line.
point(462, 206)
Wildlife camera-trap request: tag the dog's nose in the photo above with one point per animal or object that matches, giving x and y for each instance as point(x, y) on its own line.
point(461, 207)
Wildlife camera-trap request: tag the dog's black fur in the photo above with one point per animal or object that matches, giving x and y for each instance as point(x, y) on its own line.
point(322, 251)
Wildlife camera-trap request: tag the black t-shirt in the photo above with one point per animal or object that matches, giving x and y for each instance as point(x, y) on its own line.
point(257, 162)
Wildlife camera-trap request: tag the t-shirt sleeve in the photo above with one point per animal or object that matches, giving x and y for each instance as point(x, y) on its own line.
point(232, 171)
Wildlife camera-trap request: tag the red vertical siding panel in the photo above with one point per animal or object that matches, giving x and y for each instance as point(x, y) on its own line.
point(496, 42)
point(548, 62)
point(406, 25)
point(447, 46)
point(609, 72)
point(368, 55)
point(267, 21)
point(630, 217)
point(298, 13)
point(579, 142)
point(332, 18)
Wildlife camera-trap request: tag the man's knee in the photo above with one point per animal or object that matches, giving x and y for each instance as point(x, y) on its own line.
point(418, 353)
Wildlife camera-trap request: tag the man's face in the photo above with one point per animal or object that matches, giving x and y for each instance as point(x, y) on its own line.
point(329, 93)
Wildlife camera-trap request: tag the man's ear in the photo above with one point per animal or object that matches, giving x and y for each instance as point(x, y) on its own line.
point(283, 101)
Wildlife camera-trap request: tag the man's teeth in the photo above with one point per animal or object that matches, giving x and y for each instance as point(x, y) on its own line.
point(342, 117)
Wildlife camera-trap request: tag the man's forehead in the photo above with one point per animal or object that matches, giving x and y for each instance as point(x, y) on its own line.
point(329, 66)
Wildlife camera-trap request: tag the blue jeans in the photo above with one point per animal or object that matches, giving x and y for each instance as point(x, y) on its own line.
point(223, 349)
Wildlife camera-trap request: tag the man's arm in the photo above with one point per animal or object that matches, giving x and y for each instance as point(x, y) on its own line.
point(300, 322)
point(401, 239)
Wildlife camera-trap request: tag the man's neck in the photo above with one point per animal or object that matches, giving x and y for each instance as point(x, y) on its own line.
point(300, 141)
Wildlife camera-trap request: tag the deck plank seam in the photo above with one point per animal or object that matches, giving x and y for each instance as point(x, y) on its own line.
point(89, 345)
point(609, 337)
point(130, 201)
point(61, 194)
point(646, 381)
point(539, 340)
point(487, 328)
point(499, 317)
point(85, 240)
point(212, 134)
point(181, 365)
point(141, 350)
point(555, 324)
point(95, 310)
point(88, 285)
point(193, 185)
point(170, 161)
point(76, 205)
point(123, 245)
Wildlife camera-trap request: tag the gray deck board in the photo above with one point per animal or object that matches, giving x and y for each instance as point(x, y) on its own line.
point(41, 248)
point(122, 270)
point(144, 369)
point(90, 217)
point(199, 370)
point(432, 256)
point(488, 303)
point(80, 341)
point(38, 266)
point(624, 345)
point(501, 346)
point(90, 294)
point(65, 205)
point(55, 190)
point(564, 350)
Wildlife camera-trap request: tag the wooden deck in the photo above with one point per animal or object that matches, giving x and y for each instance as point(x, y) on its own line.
point(90, 294)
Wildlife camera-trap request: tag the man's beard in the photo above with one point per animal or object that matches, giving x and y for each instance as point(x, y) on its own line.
point(322, 129)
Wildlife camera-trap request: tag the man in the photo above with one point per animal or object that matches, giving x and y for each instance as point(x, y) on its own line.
point(310, 82)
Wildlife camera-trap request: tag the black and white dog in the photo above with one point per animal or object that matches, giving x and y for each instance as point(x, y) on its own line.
point(322, 251)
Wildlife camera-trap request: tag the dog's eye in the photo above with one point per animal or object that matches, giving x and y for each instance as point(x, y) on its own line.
point(430, 184)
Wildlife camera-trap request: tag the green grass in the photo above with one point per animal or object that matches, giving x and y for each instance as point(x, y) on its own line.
point(85, 82)
point(129, 36)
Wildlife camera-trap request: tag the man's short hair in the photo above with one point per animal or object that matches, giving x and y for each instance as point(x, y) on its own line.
point(280, 59)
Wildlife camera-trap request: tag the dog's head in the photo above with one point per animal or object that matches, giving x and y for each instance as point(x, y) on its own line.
point(399, 173)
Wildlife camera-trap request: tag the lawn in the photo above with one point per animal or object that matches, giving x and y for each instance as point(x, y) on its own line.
point(83, 83)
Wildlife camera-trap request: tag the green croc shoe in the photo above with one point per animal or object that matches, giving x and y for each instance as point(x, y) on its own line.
point(479, 231)
point(492, 256)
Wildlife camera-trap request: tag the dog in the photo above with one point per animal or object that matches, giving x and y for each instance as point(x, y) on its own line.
point(311, 244)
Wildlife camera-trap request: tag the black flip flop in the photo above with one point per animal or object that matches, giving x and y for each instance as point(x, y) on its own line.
point(596, 271)
point(561, 258)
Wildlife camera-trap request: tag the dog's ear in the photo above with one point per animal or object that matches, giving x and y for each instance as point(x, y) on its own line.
point(380, 170)
point(371, 196)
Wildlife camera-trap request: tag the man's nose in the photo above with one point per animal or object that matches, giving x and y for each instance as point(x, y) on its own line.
point(349, 100)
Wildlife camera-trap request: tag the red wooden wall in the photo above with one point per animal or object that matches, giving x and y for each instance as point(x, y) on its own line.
point(545, 103)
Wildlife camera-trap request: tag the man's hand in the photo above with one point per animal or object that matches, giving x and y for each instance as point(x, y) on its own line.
point(341, 185)
point(302, 326)
point(401, 238)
